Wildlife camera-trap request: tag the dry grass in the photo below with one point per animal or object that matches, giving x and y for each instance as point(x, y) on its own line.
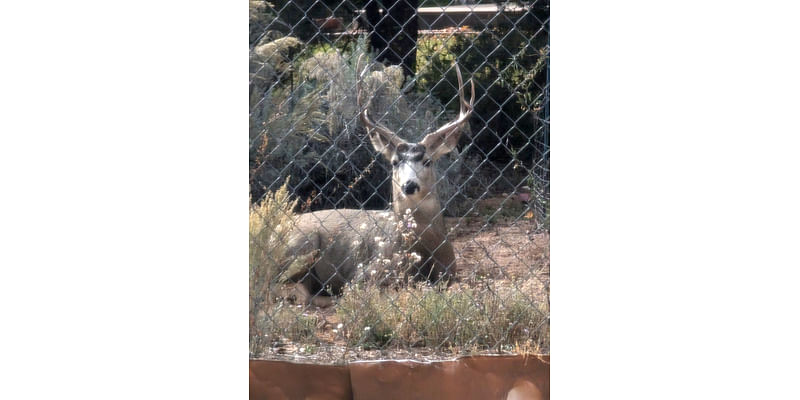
point(494, 317)
point(504, 311)
point(270, 223)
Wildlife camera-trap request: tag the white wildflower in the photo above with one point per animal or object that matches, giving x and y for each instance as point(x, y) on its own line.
point(339, 326)
point(408, 211)
point(366, 329)
point(363, 225)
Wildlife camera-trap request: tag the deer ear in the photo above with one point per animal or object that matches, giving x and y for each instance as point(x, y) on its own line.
point(441, 142)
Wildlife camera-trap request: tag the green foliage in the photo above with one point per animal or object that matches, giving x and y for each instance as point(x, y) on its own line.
point(508, 64)
point(303, 123)
point(260, 15)
point(270, 72)
point(264, 22)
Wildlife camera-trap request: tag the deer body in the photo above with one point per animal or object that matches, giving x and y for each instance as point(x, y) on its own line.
point(342, 240)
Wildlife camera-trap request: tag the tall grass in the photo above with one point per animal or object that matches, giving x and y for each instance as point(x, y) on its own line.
point(270, 224)
point(500, 317)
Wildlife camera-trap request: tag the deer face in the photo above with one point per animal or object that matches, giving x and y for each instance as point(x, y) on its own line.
point(413, 177)
point(412, 170)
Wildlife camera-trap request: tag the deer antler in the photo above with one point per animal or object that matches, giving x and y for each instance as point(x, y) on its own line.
point(444, 139)
point(385, 135)
point(466, 108)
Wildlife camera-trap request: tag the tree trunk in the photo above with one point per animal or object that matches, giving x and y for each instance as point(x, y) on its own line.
point(393, 33)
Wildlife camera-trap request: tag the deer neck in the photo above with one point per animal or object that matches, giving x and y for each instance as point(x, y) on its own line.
point(426, 212)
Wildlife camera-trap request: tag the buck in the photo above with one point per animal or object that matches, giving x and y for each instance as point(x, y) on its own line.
point(336, 243)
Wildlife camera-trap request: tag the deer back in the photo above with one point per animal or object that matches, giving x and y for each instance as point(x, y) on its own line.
point(341, 240)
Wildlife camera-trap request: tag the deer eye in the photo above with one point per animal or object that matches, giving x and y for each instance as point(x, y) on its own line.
point(427, 162)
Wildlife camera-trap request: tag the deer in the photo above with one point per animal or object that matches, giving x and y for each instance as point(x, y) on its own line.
point(337, 242)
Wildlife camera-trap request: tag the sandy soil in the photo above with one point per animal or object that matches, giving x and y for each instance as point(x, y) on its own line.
point(500, 250)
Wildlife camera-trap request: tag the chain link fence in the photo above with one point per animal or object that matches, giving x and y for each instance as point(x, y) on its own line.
point(399, 231)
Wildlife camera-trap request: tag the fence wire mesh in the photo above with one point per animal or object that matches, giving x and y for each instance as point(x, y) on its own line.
point(400, 232)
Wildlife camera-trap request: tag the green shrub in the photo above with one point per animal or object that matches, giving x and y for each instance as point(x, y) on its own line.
point(303, 123)
point(508, 63)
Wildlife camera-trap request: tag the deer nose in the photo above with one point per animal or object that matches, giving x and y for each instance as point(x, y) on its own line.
point(409, 187)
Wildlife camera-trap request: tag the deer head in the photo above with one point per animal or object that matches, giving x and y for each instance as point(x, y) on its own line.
point(413, 177)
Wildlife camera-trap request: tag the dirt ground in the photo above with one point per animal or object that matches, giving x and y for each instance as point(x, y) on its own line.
point(502, 242)
point(499, 250)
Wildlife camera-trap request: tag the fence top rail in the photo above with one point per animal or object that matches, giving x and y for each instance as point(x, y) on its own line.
point(475, 8)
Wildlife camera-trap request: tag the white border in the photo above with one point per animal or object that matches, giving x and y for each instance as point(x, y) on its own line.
point(674, 200)
point(124, 205)
point(674, 191)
